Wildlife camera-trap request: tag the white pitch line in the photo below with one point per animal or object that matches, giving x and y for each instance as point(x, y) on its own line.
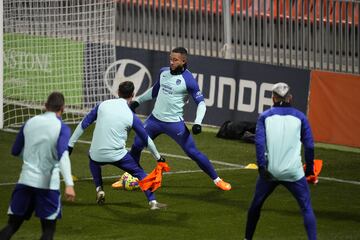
point(237, 166)
point(340, 180)
point(234, 167)
point(198, 171)
point(165, 173)
point(185, 157)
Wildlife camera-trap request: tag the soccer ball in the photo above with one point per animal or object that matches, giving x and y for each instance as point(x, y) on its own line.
point(129, 182)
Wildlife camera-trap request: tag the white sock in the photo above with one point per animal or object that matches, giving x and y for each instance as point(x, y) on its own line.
point(216, 180)
point(98, 188)
point(152, 201)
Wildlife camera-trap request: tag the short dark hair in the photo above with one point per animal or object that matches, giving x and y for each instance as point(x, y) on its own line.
point(55, 102)
point(126, 89)
point(181, 50)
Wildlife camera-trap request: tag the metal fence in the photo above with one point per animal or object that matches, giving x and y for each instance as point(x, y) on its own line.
point(309, 34)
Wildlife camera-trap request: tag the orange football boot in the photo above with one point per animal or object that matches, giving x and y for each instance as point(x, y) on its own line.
point(223, 185)
point(117, 184)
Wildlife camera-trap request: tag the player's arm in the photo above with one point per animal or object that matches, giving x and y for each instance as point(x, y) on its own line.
point(147, 95)
point(86, 122)
point(64, 162)
point(260, 142)
point(200, 113)
point(19, 143)
point(141, 133)
point(308, 142)
point(260, 145)
point(196, 94)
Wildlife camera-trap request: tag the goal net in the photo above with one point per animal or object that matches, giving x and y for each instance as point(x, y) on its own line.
point(52, 45)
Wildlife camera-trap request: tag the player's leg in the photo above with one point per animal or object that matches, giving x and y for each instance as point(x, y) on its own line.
point(128, 164)
point(14, 223)
point(48, 209)
point(263, 189)
point(22, 205)
point(300, 190)
point(179, 132)
point(48, 229)
point(95, 169)
point(152, 129)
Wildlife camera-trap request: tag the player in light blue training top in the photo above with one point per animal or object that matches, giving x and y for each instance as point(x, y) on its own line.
point(280, 131)
point(171, 91)
point(42, 144)
point(114, 120)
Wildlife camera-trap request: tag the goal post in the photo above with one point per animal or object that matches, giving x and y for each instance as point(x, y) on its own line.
point(52, 45)
point(1, 66)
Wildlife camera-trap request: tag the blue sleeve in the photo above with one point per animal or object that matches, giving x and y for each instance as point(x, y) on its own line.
point(308, 142)
point(19, 142)
point(193, 87)
point(62, 142)
point(156, 87)
point(90, 117)
point(260, 142)
point(140, 130)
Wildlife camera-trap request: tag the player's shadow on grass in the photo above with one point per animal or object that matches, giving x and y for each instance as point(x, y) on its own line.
point(164, 217)
point(133, 212)
point(320, 214)
point(337, 215)
point(213, 196)
point(107, 203)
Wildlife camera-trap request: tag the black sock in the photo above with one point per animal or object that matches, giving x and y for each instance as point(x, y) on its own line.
point(13, 225)
point(48, 229)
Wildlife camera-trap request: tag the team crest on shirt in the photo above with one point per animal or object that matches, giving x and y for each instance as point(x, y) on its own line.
point(178, 81)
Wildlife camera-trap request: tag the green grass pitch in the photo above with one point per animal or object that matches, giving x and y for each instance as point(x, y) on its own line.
point(196, 208)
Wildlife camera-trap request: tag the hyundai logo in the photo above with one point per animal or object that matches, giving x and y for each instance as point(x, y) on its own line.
point(118, 72)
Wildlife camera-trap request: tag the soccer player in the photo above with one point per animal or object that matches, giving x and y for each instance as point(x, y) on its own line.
point(113, 121)
point(170, 91)
point(42, 144)
point(279, 133)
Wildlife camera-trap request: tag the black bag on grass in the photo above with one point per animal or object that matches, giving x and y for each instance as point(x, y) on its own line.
point(238, 130)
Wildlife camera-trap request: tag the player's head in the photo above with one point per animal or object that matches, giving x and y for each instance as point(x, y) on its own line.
point(281, 93)
point(178, 60)
point(126, 90)
point(55, 102)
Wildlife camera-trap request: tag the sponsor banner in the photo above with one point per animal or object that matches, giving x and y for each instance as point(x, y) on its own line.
point(233, 90)
point(34, 66)
point(334, 108)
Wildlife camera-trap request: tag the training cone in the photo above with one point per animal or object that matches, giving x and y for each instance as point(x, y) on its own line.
point(251, 166)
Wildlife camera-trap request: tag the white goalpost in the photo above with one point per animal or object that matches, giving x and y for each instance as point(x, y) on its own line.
point(52, 45)
point(1, 66)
